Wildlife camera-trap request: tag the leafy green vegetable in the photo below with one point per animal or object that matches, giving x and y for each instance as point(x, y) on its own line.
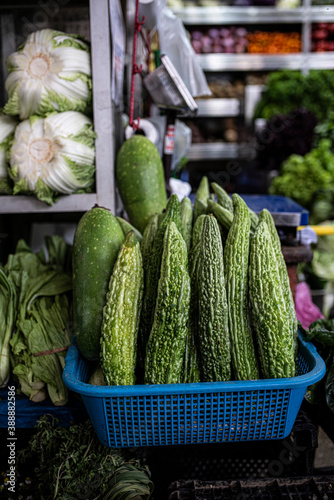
point(70, 463)
point(288, 90)
point(302, 176)
point(321, 333)
point(37, 312)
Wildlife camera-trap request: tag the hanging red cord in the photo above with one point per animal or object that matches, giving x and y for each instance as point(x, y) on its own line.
point(135, 68)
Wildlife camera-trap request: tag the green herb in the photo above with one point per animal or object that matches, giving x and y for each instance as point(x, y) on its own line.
point(70, 463)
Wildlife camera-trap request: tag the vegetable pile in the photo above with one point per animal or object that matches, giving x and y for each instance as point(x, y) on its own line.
point(289, 89)
point(321, 334)
point(35, 319)
point(322, 37)
point(70, 463)
point(302, 176)
point(51, 150)
point(203, 295)
point(265, 42)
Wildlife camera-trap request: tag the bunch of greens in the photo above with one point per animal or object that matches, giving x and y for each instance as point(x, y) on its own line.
point(289, 89)
point(324, 130)
point(70, 463)
point(321, 334)
point(302, 176)
point(35, 312)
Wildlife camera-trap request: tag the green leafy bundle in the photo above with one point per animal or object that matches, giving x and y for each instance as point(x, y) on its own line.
point(71, 463)
point(35, 312)
point(321, 334)
point(302, 176)
point(289, 89)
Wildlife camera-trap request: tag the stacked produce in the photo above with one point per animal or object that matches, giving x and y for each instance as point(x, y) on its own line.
point(227, 40)
point(49, 88)
point(35, 319)
point(202, 296)
point(322, 37)
point(7, 127)
point(264, 42)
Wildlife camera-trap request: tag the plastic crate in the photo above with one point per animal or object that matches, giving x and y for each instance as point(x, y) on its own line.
point(170, 414)
point(303, 488)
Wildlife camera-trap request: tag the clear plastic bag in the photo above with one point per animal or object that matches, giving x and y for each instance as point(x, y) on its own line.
point(174, 42)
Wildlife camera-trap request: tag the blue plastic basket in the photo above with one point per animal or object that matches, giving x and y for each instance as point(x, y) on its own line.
point(155, 415)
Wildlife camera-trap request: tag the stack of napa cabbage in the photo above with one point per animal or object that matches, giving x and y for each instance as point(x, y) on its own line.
point(47, 144)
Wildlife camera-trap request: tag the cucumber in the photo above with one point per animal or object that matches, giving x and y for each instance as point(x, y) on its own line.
point(140, 180)
point(201, 198)
point(97, 240)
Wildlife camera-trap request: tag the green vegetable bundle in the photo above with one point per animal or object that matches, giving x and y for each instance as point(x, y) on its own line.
point(36, 319)
point(216, 304)
point(302, 176)
point(70, 463)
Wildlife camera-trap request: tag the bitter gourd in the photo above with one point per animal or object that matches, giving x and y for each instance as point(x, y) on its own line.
point(186, 220)
point(285, 281)
point(223, 198)
point(191, 369)
point(127, 227)
point(201, 198)
point(236, 254)
point(213, 334)
point(153, 272)
point(223, 215)
point(271, 320)
point(166, 343)
point(121, 314)
point(148, 238)
point(197, 231)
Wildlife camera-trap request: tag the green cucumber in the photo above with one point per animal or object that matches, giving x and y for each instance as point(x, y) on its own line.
point(97, 240)
point(223, 198)
point(140, 180)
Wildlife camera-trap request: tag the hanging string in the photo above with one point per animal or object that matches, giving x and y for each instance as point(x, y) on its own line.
point(135, 68)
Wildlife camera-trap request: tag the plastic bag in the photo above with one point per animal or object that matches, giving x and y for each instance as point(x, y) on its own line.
point(174, 42)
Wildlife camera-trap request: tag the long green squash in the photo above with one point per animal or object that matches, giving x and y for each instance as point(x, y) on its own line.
point(167, 340)
point(97, 241)
point(223, 215)
point(271, 319)
point(121, 315)
point(236, 255)
point(213, 333)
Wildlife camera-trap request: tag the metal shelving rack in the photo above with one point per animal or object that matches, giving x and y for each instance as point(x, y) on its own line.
point(103, 115)
point(304, 15)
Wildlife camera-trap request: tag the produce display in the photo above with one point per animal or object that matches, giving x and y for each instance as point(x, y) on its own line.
point(238, 40)
point(47, 147)
point(322, 37)
point(35, 318)
point(175, 313)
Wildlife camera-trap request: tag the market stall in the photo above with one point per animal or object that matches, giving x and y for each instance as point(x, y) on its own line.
point(159, 336)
